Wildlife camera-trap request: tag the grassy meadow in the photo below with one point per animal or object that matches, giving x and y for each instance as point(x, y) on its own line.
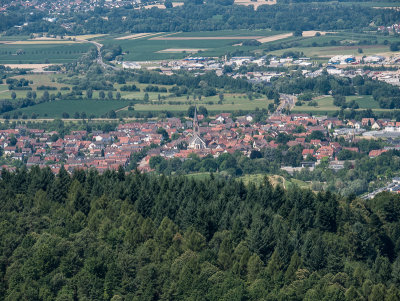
point(325, 104)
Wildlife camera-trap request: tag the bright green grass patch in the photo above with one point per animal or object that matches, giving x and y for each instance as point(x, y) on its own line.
point(324, 104)
point(258, 179)
point(199, 175)
point(56, 108)
point(364, 101)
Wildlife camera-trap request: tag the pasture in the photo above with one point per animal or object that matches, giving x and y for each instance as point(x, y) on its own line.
point(325, 104)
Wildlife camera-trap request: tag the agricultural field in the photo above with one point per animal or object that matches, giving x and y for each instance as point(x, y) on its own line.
point(36, 52)
point(156, 46)
point(328, 52)
point(169, 102)
point(340, 43)
point(56, 108)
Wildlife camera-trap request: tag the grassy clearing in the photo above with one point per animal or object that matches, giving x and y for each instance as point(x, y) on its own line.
point(258, 179)
point(199, 175)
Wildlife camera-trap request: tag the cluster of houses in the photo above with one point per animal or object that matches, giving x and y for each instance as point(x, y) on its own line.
point(391, 29)
point(69, 5)
point(200, 135)
point(231, 67)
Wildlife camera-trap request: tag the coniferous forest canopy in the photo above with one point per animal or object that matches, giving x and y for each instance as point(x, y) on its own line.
point(145, 237)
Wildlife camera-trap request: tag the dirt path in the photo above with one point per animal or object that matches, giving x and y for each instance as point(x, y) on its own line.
point(275, 38)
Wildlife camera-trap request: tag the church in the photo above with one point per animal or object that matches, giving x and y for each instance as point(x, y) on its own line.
point(196, 142)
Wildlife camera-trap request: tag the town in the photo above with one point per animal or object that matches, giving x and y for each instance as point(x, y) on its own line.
point(318, 139)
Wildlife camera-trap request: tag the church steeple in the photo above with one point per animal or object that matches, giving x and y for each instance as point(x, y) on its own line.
point(195, 141)
point(195, 122)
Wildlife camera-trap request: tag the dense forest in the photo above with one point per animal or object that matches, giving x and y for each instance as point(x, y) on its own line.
point(121, 236)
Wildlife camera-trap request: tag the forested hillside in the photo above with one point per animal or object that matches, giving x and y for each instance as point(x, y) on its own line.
point(146, 237)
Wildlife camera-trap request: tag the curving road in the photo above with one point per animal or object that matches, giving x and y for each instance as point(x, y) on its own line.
point(99, 58)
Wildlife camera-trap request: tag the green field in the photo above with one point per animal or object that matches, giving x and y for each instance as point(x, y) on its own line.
point(330, 51)
point(345, 43)
point(229, 105)
point(227, 33)
point(14, 38)
point(41, 53)
point(56, 108)
point(146, 48)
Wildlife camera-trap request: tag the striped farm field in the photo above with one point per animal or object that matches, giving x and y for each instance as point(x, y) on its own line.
point(56, 108)
point(26, 53)
point(144, 47)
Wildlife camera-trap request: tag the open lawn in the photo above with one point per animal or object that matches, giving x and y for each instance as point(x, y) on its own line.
point(56, 108)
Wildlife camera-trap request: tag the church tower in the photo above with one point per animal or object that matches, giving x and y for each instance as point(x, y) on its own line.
point(196, 130)
point(196, 142)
